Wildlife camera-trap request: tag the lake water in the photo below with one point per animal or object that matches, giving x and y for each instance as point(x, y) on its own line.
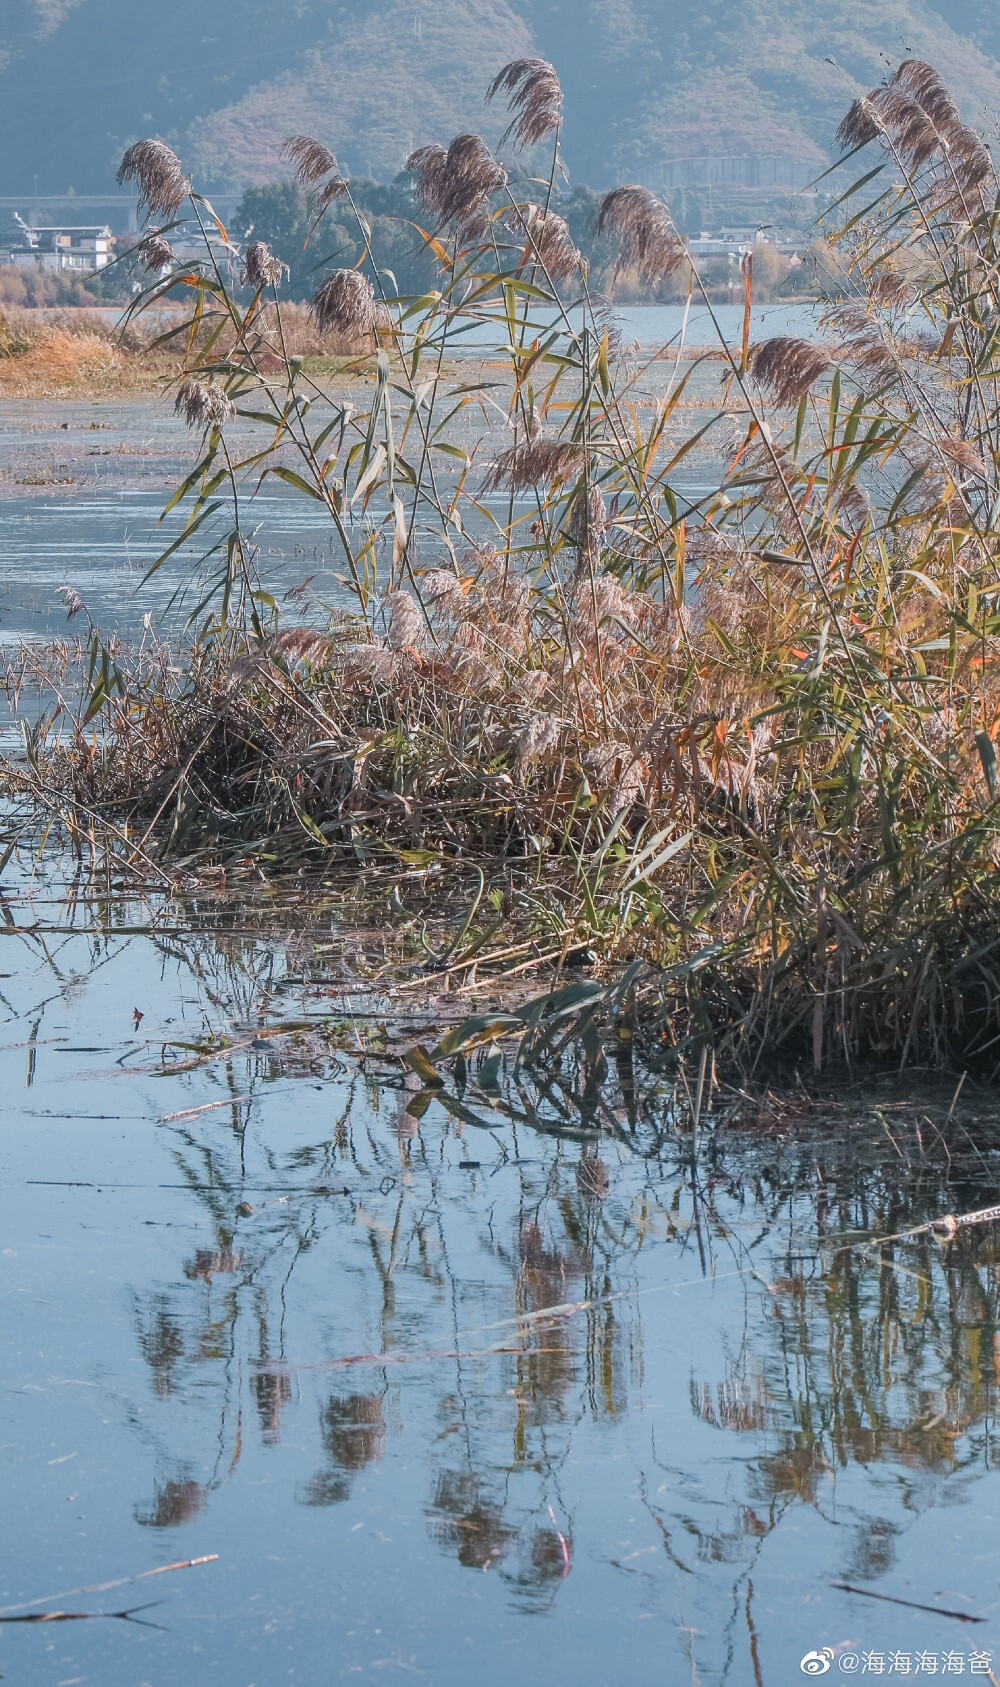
point(457, 1388)
point(83, 485)
point(462, 1387)
point(653, 326)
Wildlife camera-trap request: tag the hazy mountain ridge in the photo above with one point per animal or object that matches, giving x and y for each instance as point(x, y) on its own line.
point(646, 80)
point(371, 95)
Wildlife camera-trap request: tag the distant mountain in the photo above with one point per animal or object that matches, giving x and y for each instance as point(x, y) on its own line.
point(409, 71)
point(723, 92)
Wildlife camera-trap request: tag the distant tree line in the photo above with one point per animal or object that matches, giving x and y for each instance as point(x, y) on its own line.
point(282, 215)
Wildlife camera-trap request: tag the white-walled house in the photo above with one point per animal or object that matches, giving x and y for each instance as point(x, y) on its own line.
point(62, 247)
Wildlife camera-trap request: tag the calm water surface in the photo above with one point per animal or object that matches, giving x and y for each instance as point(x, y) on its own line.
point(479, 1386)
point(83, 485)
point(475, 1386)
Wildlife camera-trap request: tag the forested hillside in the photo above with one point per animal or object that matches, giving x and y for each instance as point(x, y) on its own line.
point(647, 81)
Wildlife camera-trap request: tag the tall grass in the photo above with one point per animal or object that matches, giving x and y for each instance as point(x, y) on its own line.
point(747, 737)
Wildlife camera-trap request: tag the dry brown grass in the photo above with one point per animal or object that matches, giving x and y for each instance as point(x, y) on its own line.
point(71, 352)
point(57, 362)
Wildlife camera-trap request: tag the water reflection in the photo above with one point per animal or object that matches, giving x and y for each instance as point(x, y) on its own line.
point(174, 1503)
point(353, 1433)
point(518, 1333)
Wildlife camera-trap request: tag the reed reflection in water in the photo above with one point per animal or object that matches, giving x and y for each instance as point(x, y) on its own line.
point(501, 1330)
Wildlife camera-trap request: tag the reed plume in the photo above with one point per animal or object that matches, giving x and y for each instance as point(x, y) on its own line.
point(536, 461)
point(539, 739)
point(534, 99)
point(407, 627)
point(202, 404)
point(155, 253)
point(313, 162)
point(867, 344)
point(647, 240)
point(787, 367)
point(443, 589)
point(962, 456)
point(456, 186)
point(890, 289)
point(587, 520)
point(346, 302)
point(427, 165)
point(914, 114)
point(373, 663)
point(551, 244)
point(922, 83)
point(260, 267)
point(157, 173)
point(889, 113)
point(72, 600)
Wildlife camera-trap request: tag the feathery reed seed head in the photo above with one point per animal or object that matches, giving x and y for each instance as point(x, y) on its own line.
point(456, 186)
point(890, 289)
point(202, 404)
point(860, 125)
point(548, 236)
point(312, 160)
point(336, 188)
point(346, 303)
point(260, 267)
point(72, 600)
point(532, 686)
point(962, 456)
point(155, 253)
point(601, 598)
point(921, 82)
point(443, 589)
point(534, 462)
point(157, 173)
point(534, 99)
point(647, 239)
point(372, 662)
point(539, 738)
point(470, 636)
point(867, 344)
point(587, 519)
point(787, 367)
point(407, 628)
point(427, 164)
point(915, 115)
point(890, 114)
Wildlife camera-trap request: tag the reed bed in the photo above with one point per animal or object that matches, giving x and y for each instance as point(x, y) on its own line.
point(53, 351)
point(736, 748)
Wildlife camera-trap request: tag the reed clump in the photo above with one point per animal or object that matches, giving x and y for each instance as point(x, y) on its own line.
point(740, 740)
point(55, 361)
point(54, 351)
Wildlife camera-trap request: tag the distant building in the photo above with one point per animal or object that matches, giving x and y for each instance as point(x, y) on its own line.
point(62, 247)
point(738, 242)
